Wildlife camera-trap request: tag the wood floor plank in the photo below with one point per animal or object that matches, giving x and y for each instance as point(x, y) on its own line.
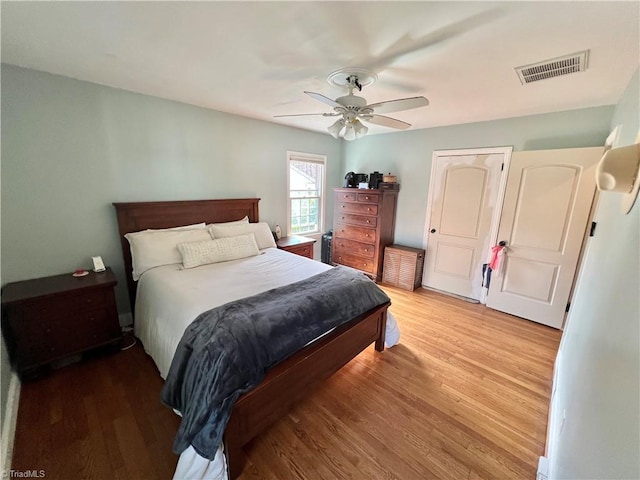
point(464, 395)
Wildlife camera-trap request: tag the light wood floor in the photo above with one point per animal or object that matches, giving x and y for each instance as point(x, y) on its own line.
point(463, 396)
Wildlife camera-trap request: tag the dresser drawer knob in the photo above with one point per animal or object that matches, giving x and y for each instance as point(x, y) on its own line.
point(368, 221)
point(341, 218)
point(48, 330)
point(368, 209)
point(366, 250)
point(366, 198)
point(342, 206)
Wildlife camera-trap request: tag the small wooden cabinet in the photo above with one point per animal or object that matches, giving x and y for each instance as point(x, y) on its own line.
point(297, 244)
point(363, 225)
point(51, 318)
point(403, 266)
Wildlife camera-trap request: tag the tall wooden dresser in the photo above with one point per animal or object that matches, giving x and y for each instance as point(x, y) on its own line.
point(363, 224)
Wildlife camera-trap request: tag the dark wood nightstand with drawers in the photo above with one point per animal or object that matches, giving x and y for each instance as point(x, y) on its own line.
point(297, 244)
point(48, 319)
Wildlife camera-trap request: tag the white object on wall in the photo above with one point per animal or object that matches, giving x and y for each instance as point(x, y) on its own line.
point(619, 171)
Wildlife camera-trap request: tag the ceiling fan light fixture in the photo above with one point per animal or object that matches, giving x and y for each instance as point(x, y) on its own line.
point(360, 129)
point(336, 128)
point(349, 132)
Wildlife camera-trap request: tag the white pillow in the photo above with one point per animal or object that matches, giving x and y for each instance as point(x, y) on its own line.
point(154, 248)
point(195, 226)
point(235, 222)
point(219, 250)
point(264, 237)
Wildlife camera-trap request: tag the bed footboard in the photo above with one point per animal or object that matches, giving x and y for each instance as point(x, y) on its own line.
point(289, 381)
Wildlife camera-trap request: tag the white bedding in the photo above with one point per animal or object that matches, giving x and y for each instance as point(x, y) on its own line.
point(169, 298)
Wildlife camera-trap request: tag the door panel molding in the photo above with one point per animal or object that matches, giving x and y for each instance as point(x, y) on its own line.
point(545, 229)
point(493, 198)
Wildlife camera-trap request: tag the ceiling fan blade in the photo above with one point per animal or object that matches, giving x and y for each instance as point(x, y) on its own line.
point(323, 99)
point(386, 121)
point(407, 45)
point(398, 105)
point(308, 114)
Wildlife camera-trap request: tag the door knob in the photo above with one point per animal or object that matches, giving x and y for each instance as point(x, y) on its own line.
point(433, 230)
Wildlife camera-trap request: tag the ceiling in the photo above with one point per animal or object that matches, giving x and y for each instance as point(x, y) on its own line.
point(256, 58)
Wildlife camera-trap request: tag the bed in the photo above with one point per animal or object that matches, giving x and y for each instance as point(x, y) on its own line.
point(285, 383)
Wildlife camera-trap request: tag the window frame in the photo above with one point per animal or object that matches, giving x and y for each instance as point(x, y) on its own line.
point(309, 158)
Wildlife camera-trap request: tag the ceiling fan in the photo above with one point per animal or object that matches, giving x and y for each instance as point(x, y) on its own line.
point(353, 109)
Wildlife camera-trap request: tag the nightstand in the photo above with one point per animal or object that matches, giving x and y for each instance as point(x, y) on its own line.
point(302, 246)
point(48, 319)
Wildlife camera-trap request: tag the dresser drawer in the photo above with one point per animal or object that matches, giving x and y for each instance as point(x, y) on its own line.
point(302, 250)
point(357, 208)
point(342, 245)
point(346, 197)
point(358, 220)
point(92, 328)
point(350, 232)
point(365, 264)
point(368, 197)
point(43, 309)
point(76, 331)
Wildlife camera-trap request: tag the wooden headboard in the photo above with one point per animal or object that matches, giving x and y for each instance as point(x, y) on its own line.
point(136, 216)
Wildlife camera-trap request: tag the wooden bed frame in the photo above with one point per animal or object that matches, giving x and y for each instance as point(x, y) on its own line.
point(289, 381)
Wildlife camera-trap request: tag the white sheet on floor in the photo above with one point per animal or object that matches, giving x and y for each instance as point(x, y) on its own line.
point(170, 298)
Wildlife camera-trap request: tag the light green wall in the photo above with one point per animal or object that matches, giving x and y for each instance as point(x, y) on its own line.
point(408, 154)
point(71, 148)
point(595, 420)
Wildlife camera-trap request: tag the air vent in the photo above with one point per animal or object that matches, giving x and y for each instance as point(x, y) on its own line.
point(576, 62)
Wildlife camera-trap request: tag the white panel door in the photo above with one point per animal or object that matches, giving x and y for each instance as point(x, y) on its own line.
point(544, 219)
point(464, 194)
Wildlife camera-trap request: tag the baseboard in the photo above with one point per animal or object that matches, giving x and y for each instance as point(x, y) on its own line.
point(10, 419)
point(454, 295)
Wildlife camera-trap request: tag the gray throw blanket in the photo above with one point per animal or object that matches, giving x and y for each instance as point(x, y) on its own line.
point(226, 351)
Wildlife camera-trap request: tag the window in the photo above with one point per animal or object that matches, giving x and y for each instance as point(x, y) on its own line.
point(306, 189)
